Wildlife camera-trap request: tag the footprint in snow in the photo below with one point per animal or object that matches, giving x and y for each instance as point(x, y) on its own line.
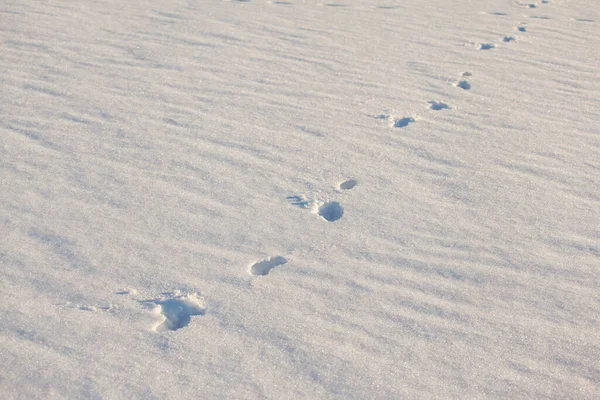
point(262, 268)
point(463, 83)
point(487, 46)
point(402, 122)
point(176, 310)
point(348, 185)
point(332, 211)
point(393, 120)
point(123, 292)
point(298, 201)
point(437, 106)
point(509, 39)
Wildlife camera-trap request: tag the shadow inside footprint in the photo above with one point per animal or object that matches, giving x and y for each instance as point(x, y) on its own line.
point(401, 123)
point(464, 85)
point(349, 184)
point(178, 311)
point(509, 38)
point(263, 267)
point(298, 201)
point(331, 211)
point(487, 46)
point(438, 106)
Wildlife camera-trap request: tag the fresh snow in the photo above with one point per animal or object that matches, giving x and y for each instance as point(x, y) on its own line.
point(298, 199)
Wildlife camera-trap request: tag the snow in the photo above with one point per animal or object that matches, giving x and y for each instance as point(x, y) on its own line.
point(264, 199)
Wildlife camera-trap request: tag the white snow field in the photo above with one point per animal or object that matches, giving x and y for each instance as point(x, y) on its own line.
point(338, 199)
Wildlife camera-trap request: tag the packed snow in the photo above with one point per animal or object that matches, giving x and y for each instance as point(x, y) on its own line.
point(348, 199)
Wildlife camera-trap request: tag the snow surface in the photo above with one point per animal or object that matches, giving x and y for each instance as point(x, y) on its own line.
point(346, 199)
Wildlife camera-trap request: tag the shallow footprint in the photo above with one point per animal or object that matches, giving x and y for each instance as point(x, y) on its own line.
point(487, 46)
point(298, 201)
point(349, 184)
point(177, 311)
point(437, 106)
point(464, 84)
point(402, 122)
point(263, 267)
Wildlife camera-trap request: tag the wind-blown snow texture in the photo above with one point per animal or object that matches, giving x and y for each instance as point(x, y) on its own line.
point(429, 171)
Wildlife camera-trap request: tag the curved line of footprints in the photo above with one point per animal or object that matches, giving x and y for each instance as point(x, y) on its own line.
point(175, 310)
point(463, 83)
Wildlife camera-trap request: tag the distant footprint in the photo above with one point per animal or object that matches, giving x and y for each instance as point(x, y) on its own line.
point(263, 267)
point(487, 46)
point(402, 122)
point(509, 39)
point(177, 311)
point(522, 28)
point(332, 211)
point(123, 292)
point(349, 184)
point(393, 121)
point(437, 106)
point(464, 84)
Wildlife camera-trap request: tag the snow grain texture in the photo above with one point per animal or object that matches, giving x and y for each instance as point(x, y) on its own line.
point(153, 148)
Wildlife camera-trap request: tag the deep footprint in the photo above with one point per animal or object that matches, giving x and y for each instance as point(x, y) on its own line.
point(437, 106)
point(349, 184)
point(509, 38)
point(487, 46)
point(263, 267)
point(178, 311)
point(331, 211)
